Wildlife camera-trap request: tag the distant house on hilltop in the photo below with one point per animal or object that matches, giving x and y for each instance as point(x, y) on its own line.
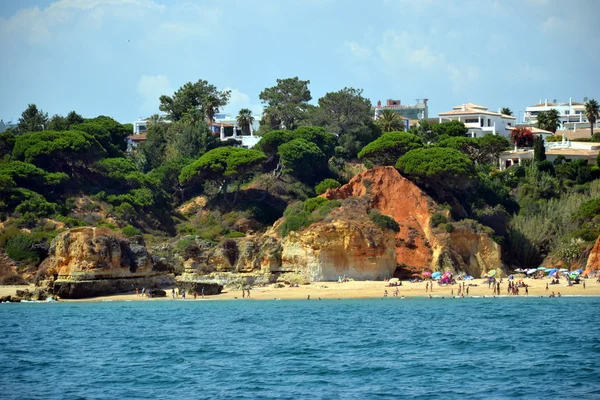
point(479, 120)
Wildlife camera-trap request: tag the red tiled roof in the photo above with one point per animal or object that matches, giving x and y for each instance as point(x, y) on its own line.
point(137, 138)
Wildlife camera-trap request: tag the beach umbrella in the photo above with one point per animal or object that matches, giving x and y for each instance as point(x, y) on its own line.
point(394, 280)
point(491, 274)
point(548, 269)
point(573, 276)
point(416, 275)
point(436, 273)
point(541, 268)
point(579, 271)
point(531, 271)
point(519, 270)
point(426, 273)
point(563, 270)
point(468, 278)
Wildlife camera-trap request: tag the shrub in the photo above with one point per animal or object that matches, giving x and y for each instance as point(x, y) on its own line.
point(383, 221)
point(295, 222)
point(437, 219)
point(130, 231)
point(326, 184)
point(20, 248)
point(235, 234)
point(7, 234)
point(449, 227)
point(312, 204)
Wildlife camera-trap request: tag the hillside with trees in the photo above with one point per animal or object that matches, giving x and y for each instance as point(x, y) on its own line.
point(68, 171)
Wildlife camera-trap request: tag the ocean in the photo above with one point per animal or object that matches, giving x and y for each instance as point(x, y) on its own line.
point(480, 348)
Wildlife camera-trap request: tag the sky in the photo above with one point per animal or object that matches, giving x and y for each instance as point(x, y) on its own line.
point(116, 57)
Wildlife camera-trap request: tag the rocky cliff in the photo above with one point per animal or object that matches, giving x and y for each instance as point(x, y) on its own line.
point(593, 262)
point(418, 246)
point(90, 261)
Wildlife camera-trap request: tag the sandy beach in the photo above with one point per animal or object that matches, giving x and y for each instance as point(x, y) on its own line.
point(361, 290)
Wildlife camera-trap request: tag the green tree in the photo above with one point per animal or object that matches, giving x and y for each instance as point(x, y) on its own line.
point(424, 131)
point(324, 140)
point(592, 111)
point(469, 146)
point(301, 158)
point(490, 148)
point(347, 114)
point(539, 151)
point(7, 142)
point(224, 166)
point(549, 120)
point(194, 96)
point(450, 128)
point(32, 120)
point(108, 132)
point(506, 111)
point(270, 141)
point(285, 103)
point(326, 184)
point(245, 120)
point(386, 149)
point(74, 118)
point(190, 140)
point(155, 147)
point(58, 151)
point(58, 123)
point(438, 168)
point(389, 121)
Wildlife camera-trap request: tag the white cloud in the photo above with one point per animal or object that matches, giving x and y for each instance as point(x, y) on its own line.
point(358, 51)
point(239, 100)
point(552, 24)
point(150, 88)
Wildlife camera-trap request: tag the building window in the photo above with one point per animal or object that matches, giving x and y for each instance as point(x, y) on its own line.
point(489, 122)
point(471, 121)
point(509, 124)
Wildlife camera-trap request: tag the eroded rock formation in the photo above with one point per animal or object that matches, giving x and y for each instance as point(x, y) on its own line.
point(417, 245)
point(90, 261)
point(593, 261)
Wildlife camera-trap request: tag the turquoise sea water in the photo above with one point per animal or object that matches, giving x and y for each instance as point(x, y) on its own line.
point(354, 349)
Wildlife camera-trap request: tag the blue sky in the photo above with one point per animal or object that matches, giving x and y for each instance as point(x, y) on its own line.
point(116, 57)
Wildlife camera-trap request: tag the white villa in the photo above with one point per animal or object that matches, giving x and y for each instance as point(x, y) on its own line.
point(479, 120)
point(225, 125)
point(570, 150)
point(572, 114)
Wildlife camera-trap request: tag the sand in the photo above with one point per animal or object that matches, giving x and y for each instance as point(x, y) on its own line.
point(360, 290)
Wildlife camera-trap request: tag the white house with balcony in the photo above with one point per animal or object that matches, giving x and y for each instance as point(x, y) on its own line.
point(571, 114)
point(479, 120)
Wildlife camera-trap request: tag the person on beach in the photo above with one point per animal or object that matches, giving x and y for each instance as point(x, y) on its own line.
point(526, 290)
point(467, 291)
point(202, 291)
point(308, 297)
point(583, 285)
point(183, 294)
point(195, 294)
point(143, 291)
point(426, 287)
point(137, 292)
point(546, 286)
point(243, 292)
point(173, 293)
point(385, 293)
point(248, 291)
point(558, 294)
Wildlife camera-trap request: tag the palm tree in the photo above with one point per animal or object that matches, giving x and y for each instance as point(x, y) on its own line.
point(506, 111)
point(245, 121)
point(549, 120)
point(592, 111)
point(389, 121)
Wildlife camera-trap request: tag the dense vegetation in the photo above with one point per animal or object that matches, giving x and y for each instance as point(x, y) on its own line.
point(63, 172)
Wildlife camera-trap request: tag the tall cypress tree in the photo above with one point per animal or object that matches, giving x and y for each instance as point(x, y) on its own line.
point(539, 151)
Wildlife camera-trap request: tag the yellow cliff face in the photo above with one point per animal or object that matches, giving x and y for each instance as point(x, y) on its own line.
point(327, 250)
point(95, 253)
